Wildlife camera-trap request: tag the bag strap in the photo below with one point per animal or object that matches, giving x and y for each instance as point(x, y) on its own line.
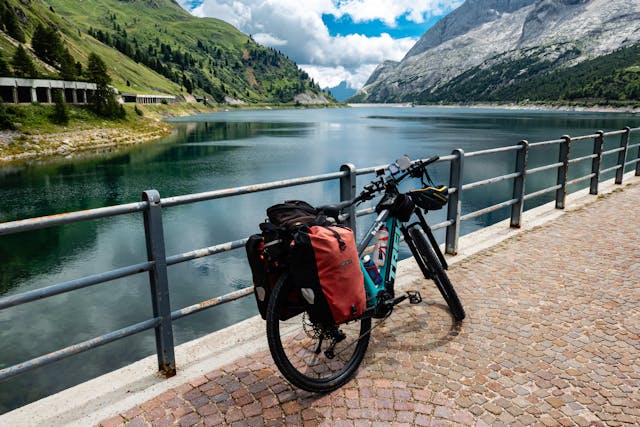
point(426, 174)
point(341, 242)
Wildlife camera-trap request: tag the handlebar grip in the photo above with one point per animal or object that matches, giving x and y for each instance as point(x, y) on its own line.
point(430, 160)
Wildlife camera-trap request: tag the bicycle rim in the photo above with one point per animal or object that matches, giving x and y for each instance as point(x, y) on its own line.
point(438, 274)
point(294, 342)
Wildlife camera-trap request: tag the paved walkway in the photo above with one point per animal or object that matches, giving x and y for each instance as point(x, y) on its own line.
point(552, 338)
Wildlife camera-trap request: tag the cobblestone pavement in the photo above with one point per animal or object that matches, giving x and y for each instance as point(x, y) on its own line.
point(551, 338)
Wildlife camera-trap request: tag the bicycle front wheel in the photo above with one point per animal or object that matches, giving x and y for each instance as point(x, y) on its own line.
point(432, 263)
point(311, 356)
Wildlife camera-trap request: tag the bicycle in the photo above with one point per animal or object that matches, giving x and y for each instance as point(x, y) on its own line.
point(322, 357)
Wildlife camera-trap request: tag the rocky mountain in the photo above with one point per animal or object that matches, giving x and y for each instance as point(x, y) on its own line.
point(487, 47)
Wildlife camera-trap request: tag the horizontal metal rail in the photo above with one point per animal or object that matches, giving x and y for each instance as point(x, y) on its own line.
point(582, 159)
point(151, 206)
point(541, 192)
point(232, 296)
point(491, 181)
point(584, 137)
point(582, 178)
point(442, 225)
point(218, 194)
point(615, 150)
point(201, 253)
point(612, 168)
point(488, 209)
point(77, 348)
point(68, 218)
point(493, 151)
point(543, 168)
point(71, 285)
point(544, 143)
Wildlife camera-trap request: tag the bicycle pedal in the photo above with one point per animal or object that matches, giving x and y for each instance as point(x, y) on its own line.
point(414, 297)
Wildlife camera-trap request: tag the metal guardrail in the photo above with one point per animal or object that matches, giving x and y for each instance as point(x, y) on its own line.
point(152, 205)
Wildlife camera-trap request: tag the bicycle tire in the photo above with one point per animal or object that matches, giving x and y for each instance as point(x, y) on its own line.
point(436, 273)
point(293, 348)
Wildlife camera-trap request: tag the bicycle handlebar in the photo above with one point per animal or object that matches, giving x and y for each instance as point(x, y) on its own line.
point(416, 169)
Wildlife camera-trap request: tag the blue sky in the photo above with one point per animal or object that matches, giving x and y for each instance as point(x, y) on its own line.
point(404, 27)
point(332, 40)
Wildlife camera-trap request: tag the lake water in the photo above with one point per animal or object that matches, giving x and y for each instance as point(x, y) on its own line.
point(210, 152)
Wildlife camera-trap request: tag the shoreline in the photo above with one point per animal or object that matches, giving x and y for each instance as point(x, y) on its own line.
point(50, 146)
point(18, 147)
point(519, 107)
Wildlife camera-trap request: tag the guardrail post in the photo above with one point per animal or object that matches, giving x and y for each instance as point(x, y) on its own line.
point(519, 184)
point(598, 141)
point(563, 172)
point(159, 282)
point(348, 192)
point(455, 202)
point(622, 156)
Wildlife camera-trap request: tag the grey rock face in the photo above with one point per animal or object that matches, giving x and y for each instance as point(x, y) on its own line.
point(481, 30)
point(470, 15)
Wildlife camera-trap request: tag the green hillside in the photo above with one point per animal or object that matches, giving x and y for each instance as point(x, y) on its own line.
point(611, 78)
point(154, 46)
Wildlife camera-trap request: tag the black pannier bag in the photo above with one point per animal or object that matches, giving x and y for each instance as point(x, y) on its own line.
point(267, 256)
point(268, 252)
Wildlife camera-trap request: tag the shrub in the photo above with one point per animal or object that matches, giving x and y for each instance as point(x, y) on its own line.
point(6, 121)
point(60, 114)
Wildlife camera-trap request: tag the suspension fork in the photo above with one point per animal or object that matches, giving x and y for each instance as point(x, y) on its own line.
point(431, 237)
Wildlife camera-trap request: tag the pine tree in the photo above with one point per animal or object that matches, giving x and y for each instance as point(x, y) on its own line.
point(60, 114)
point(4, 68)
point(68, 68)
point(104, 101)
point(23, 65)
point(11, 24)
point(49, 47)
point(46, 44)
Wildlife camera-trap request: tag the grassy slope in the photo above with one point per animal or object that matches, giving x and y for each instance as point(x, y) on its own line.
point(80, 44)
point(149, 21)
point(222, 55)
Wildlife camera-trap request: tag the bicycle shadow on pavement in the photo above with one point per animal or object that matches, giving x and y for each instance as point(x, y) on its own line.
point(424, 327)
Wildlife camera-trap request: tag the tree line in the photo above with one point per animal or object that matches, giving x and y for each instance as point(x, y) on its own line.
point(612, 77)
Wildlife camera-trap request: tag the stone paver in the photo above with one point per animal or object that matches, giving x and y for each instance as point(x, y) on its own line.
point(551, 338)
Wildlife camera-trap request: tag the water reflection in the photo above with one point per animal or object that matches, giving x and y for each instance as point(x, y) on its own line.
point(217, 151)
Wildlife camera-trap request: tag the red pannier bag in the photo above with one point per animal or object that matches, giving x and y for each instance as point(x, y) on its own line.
point(324, 259)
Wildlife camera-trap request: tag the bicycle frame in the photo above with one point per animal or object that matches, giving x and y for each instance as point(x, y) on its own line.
point(397, 229)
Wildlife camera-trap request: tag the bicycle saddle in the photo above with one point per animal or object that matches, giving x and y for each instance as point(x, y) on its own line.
point(330, 211)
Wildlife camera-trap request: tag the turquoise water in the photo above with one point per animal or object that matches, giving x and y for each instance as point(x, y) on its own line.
point(210, 152)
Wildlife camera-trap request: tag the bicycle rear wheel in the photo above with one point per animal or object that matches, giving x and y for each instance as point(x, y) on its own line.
point(314, 357)
point(429, 261)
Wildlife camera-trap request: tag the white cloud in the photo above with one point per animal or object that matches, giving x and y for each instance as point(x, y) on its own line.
point(389, 11)
point(296, 28)
point(269, 40)
point(333, 76)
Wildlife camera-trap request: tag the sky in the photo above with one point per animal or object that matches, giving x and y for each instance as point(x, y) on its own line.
point(332, 40)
